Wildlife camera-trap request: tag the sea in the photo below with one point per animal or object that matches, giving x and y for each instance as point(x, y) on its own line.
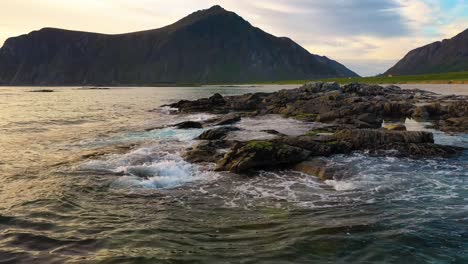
point(97, 176)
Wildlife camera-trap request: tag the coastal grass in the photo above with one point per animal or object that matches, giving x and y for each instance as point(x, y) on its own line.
point(440, 78)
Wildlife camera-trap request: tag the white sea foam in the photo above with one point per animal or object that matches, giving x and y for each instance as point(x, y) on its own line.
point(341, 185)
point(158, 165)
point(167, 172)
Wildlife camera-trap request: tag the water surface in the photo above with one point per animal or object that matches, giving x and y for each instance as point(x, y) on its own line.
point(84, 179)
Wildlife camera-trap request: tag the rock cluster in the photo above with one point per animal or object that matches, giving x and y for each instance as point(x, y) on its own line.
point(354, 116)
point(352, 105)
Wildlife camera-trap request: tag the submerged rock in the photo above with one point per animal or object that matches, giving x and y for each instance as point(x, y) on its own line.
point(259, 155)
point(323, 169)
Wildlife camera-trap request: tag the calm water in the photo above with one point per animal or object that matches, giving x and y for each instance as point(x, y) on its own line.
point(83, 181)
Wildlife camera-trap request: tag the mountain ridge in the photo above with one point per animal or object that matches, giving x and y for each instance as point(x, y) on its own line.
point(208, 46)
point(448, 55)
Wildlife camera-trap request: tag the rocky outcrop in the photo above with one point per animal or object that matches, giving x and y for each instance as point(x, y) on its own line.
point(286, 151)
point(373, 138)
point(260, 155)
point(352, 117)
point(352, 105)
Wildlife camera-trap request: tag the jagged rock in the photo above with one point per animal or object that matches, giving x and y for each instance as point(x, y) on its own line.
point(188, 125)
point(259, 155)
point(217, 133)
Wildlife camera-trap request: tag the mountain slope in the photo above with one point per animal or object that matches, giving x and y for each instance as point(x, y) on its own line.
point(208, 46)
point(450, 55)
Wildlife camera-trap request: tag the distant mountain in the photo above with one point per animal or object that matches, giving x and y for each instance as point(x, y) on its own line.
point(208, 46)
point(450, 55)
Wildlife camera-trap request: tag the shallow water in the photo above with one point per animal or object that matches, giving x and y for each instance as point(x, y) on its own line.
point(83, 181)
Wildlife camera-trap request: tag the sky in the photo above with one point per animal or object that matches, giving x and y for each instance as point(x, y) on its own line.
point(368, 36)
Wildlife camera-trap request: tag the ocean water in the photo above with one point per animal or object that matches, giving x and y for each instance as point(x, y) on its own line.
point(91, 176)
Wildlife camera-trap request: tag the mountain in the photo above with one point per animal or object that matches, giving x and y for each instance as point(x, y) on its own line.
point(208, 46)
point(450, 55)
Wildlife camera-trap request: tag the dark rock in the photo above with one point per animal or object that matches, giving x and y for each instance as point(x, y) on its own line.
point(371, 119)
point(373, 138)
point(260, 155)
point(42, 91)
point(229, 119)
point(188, 125)
point(216, 99)
point(272, 132)
point(402, 143)
point(324, 169)
point(309, 143)
point(217, 133)
point(209, 151)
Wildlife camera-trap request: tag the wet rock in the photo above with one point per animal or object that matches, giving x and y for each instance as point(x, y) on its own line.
point(397, 109)
point(363, 89)
point(260, 155)
point(373, 138)
point(216, 99)
point(454, 124)
point(369, 118)
point(208, 151)
point(309, 143)
point(317, 87)
point(422, 150)
point(356, 105)
point(212, 104)
point(324, 169)
point(188, 125)
point(229, 119)
point(395, 143)
point(217, 133)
